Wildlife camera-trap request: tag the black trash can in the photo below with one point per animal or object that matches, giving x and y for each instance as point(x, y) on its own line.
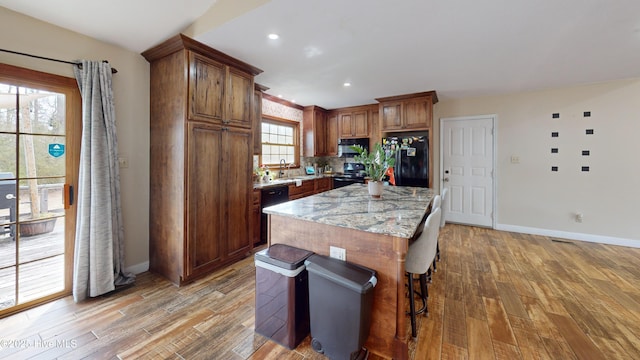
point(340, 301)
point(282, 294)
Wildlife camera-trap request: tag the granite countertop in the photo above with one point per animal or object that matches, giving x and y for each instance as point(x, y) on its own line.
point(397, 213)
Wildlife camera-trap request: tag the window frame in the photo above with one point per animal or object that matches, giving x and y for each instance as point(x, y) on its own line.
point(296, 138)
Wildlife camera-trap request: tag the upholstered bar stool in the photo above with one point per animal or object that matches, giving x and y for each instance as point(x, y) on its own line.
point(419, 258)
point(444, 207)
point(436, 204)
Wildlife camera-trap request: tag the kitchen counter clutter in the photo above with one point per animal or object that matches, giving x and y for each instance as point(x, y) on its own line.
point(371, 233)
point(397, 213)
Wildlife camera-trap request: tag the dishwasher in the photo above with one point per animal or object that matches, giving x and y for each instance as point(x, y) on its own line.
point(270, 196)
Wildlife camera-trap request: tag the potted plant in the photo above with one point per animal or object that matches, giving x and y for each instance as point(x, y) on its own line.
point(376, 163)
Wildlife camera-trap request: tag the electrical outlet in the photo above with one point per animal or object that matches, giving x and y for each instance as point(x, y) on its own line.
point(515, 159)
point(338, 253)
point(578, 217)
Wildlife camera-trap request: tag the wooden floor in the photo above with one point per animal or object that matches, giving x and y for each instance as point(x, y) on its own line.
point(496, 295)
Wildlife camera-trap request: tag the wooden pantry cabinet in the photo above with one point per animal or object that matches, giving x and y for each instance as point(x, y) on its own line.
point(201, 127)
point(410, 112)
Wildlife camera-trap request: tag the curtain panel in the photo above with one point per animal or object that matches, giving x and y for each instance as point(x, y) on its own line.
point(99, 242)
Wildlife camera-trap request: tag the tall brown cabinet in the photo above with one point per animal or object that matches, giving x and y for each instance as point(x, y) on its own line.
point(202, 105)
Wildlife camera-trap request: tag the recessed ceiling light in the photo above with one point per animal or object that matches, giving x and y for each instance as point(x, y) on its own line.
point(293, 101)
point(273, 36)
point(347, 84)
point(280, 96)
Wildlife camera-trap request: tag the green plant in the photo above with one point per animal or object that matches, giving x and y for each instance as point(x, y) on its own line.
point(375, 162)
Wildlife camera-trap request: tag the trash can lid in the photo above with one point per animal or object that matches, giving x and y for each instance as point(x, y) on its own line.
point(355, 277)
point(283, 256)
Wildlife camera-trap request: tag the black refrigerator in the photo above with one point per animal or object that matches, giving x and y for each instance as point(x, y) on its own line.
point(412, 158)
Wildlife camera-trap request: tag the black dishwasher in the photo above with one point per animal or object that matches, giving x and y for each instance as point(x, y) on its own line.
point(270, 196)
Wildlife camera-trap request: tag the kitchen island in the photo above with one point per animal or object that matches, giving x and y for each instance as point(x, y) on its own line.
point(374, 232)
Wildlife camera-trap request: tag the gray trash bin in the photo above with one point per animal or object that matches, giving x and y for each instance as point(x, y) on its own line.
point(340, 301)
point(282, 294)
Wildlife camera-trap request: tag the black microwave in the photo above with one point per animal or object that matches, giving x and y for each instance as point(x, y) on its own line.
point(345, 150)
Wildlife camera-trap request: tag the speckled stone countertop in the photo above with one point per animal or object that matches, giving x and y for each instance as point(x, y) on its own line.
point(397, 213)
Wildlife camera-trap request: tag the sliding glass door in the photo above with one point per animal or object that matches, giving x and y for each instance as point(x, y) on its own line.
point(38, 168)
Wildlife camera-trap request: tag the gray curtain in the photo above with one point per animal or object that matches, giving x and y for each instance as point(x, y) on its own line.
point(99, 243)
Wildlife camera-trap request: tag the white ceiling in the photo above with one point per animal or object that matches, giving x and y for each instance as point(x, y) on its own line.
point(460, 48)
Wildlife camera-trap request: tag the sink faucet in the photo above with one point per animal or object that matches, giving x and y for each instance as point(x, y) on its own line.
point(283, 164)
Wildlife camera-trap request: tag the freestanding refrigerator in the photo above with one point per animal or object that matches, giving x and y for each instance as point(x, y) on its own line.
point(412, 158)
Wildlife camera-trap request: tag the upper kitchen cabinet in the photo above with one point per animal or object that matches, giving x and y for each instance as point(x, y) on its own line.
point(332, 134)
point(218, 92)
point(220, 88)
point(407, 112)
point(353, 122)
point(257, 118)
point(318, 134)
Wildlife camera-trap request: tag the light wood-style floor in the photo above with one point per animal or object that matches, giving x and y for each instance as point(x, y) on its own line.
point(496, 295)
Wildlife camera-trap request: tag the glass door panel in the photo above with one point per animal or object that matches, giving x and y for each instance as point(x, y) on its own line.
point(32, 214)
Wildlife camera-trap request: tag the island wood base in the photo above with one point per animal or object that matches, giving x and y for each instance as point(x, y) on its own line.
point(382, 253)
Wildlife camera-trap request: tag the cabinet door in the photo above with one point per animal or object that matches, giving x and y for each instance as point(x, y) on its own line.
point(256, 122)
point(206, 89)
point(320, 132)
point(332, 135)
point(390, 116)
point(236, 186)
point(375, 129)
point(345, 122)
point(239, 97)
point(417, 113)
point(255, 217)
point(204, 199)
point(360, 124)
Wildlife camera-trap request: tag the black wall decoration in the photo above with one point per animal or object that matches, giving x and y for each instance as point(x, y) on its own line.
point(556, 134)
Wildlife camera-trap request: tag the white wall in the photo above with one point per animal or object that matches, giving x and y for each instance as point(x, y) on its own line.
point(532, 198)
point(131, 92)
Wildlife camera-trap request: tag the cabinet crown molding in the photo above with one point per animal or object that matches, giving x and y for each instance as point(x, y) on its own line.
point(183, 42)
point(432, 93)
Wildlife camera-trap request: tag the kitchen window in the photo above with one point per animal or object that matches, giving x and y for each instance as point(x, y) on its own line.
point(280, 140)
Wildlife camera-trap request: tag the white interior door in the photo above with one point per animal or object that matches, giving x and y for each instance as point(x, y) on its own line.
point(467, 161)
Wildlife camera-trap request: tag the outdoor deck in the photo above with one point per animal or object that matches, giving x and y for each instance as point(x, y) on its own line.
point(42, 266)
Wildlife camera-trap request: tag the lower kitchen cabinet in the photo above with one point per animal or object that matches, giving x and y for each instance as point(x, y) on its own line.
point(218, 197)
point(211, 231)
point(306, 189)
point(323, 184)
point(310, 187)
point(255, 217)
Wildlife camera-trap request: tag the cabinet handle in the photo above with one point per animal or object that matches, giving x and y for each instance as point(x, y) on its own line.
point(224, 128)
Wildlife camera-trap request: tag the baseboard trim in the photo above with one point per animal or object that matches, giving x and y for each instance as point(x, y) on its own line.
point(570, 235)
point(138, 268)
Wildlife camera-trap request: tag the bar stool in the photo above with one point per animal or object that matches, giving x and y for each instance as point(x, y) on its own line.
point(420, 255)
point(437, 204)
